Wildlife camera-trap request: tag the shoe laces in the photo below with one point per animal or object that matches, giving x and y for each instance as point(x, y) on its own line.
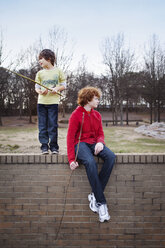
point(102, 209)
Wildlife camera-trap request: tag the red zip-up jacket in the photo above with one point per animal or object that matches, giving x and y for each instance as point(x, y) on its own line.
point(92, 130)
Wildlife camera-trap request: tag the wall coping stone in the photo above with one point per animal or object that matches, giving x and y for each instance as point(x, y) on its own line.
point(121, 158)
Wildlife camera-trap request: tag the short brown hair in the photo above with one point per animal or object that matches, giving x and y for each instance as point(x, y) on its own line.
point(86, 95)
point(47, 54)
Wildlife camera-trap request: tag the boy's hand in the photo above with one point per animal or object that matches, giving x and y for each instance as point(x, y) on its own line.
point(73, 165)
point(44, 92)
point(54, 90)
point(98, 148)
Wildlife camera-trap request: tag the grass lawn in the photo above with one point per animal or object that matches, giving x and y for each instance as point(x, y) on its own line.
point(126, 140)
point(118, 139)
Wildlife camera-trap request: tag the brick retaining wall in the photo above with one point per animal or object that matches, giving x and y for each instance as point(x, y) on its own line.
point(32, 196)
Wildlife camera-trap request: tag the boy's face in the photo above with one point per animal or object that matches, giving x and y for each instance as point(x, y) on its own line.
point(94, 102)
point(44, 63)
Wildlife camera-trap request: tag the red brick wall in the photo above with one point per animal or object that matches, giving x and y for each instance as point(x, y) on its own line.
point(32, 195)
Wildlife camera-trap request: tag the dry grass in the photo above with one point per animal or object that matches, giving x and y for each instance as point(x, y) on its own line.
point(23, 138)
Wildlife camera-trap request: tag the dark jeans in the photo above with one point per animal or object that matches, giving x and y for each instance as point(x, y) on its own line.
point(48, 125)
point(98, 181)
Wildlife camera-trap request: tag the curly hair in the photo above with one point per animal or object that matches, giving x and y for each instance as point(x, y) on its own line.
point(47, 54)
point(86, 95)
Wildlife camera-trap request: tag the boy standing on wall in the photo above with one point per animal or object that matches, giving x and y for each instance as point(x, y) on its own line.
point(47, 107)
point(86, 138)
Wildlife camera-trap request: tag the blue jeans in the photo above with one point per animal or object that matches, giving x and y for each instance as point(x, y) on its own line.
point(48, 125)
point(98, 181)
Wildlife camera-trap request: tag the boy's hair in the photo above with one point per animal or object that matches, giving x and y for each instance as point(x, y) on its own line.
point(48, 55)
point(86, 95)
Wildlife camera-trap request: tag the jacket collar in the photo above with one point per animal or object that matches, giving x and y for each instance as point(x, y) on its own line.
point(82, 109)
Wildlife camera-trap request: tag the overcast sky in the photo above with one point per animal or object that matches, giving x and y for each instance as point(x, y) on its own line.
point(87, 22)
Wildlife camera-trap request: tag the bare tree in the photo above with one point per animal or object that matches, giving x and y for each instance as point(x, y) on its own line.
point(155, 68)
point(2, 53)
point(4, 75)
point(119, 61)
point(130, 85)
point(27, 64)
point(60, 43)
point(81, 78)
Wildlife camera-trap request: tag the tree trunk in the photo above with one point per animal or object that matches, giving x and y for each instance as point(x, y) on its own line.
point(20, 111)
point(113, 116)
point(30, 116)
point(30, 112)
point(158, 110)
point(121, 112)
point(116, 98)
point(1, 124)
point(155, 111)
point(151, 113)
point(116, 114)
point(63, 109)
point(127, 113)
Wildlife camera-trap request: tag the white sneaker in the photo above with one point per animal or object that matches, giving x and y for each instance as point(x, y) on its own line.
point(93, 204)
point(103, 213)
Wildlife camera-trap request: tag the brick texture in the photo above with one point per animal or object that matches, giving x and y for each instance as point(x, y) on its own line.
point(33, 196)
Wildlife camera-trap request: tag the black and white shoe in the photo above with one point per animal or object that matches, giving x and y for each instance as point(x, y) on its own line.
point(103, 213)
point(93, 204)
point(45, 151)
point(54, 151)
